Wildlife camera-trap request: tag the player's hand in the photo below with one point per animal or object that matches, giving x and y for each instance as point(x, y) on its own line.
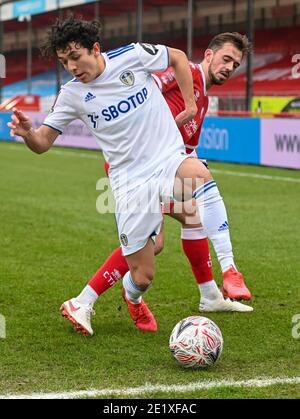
point(187, 115)
point(20, 123)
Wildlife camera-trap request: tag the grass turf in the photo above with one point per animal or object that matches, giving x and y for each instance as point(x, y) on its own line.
point(52, 241)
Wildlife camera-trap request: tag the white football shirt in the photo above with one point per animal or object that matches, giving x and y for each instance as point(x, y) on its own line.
point(125, 111)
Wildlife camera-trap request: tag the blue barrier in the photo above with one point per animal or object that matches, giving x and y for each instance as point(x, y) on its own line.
point(24, 7)
point(271, 142)
point(230, 139)
point(4, 130)
point(43, 84)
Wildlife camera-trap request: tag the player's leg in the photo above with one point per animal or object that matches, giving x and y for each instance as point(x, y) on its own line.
point(196, 248)
point(139, 219)
point(136, 282)
point(78, 310)
point(214, 219)
point(113, 269)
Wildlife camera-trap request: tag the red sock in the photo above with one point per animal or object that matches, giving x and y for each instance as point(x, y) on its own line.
point(197, 252)
point(113, 269)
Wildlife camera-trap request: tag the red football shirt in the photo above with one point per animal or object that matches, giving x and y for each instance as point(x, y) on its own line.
point(168, 85)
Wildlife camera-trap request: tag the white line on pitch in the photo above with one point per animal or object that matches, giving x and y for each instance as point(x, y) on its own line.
point(256, 175)
point(154, 388)
point(224, 172)
point(59, 152)
point(81, 155)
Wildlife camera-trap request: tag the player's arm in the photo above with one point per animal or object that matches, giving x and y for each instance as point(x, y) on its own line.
point(38, 140)
point(179, 62)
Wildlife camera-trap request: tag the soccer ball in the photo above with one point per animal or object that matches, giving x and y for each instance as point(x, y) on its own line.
point(196, 342)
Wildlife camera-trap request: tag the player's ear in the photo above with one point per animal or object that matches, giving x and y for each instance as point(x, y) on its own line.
point(97, 48)
point(208, 55)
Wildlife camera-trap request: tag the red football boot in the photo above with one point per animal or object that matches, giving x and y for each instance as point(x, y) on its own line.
point(234, 286)
point(141, 315)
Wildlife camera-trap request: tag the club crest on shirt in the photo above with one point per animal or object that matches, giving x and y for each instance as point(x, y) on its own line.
point(124, 239)
point(127, 78)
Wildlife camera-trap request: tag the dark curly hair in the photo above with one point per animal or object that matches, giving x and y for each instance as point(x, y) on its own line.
point(241, 42)
point(71, 29)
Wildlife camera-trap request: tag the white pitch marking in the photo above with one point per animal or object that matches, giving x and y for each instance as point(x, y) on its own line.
point(224, 172)
point(60, 152)
point(256, 175)
point(154, 388)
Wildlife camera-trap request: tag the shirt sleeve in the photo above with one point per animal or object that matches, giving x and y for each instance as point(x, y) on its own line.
point(62, 112)
point(166, 80)
point(153, 57)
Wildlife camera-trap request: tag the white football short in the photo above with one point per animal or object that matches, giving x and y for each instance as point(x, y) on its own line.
point(138, 209)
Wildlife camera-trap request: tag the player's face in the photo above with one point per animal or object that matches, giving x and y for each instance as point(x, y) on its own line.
point(83, 64)
point(223, 63)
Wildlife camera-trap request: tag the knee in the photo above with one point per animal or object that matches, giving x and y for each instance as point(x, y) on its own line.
point(201, 178)
point(143, 277)
point(202, 173)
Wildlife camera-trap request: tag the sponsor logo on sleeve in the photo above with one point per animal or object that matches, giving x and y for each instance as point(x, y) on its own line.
point(151, 49)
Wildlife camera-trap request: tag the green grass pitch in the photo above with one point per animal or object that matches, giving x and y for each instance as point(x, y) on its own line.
point(52, 240)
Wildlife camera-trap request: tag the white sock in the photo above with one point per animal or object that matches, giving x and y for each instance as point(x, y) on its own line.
point(214, 220)
point(88, 296)
point(209, 290)
point(133, 293)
